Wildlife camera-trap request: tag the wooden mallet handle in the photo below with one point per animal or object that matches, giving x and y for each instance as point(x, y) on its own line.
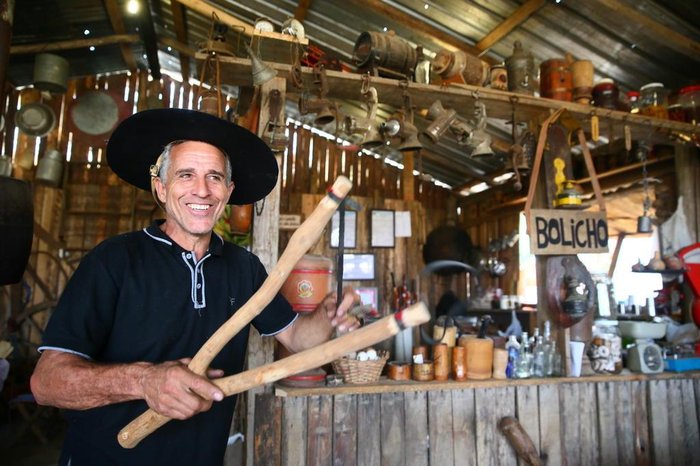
point(303, 238)
point(329, 351)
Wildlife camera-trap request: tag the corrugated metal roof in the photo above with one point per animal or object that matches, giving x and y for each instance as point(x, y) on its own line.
point(629, 49)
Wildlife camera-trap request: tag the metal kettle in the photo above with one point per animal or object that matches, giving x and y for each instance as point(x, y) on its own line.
point(521, 70)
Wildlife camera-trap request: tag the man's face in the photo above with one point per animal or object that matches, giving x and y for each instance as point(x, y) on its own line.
point(195, 192)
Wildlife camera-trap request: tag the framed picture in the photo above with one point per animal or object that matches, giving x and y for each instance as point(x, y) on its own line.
point(382, 229)
point(358, 266)
point(350, 241)
point(369, 295)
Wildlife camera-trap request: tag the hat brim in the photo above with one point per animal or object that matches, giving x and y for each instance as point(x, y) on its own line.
point(138, 141)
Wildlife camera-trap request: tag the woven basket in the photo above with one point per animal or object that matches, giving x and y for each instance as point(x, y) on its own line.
point(354, 371)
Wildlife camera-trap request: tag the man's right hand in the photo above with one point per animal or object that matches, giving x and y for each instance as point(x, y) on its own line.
point(171, 389)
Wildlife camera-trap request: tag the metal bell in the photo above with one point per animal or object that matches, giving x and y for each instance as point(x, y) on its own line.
point(49, 171)
point(644, 224)
point(442, 119)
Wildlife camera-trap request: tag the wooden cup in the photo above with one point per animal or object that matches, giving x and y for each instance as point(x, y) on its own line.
point(423, 372)
point(421, 349)
point(441, 362)
point(500, 361)
point(459, 363)
point(398, 370)
point(479, 358)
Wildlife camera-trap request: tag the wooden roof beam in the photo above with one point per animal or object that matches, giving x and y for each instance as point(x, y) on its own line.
point(522, 13)
point(655, 30)
point(150, 41)
point(74, 44)
point(115, 17)
point(180, 23)
point(302, 9)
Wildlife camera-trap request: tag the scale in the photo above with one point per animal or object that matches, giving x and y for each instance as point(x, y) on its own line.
point(645, 357)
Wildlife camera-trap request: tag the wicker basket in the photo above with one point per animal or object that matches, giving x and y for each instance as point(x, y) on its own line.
point(354, 371)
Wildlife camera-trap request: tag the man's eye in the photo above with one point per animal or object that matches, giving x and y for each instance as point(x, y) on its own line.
point(185, 176)
point(217, 178)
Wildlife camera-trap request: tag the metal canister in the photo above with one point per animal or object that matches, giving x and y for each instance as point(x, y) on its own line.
point(49, 171)
point(460, 66)
point(51, 73)
point(521, 70)
point(384, 52)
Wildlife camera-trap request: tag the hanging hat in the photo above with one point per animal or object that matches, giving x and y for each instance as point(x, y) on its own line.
point(35, 119)
point(138, 141)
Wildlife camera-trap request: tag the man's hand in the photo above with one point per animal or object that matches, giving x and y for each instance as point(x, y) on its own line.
point(172, 390)
point(338, 315)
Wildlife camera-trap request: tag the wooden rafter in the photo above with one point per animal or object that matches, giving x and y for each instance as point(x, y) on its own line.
point(448, 41)
point(180, 22)
point(522, 13)
point(655, 30)
point(75, 44)
point(302, 9)
point(117, 21)
point(150, 41)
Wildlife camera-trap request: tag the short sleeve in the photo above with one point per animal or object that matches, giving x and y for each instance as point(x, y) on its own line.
point(278, 315)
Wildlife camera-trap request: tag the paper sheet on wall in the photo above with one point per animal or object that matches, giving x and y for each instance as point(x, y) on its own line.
point(402, 224)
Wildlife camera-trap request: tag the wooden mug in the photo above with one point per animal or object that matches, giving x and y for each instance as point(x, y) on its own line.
point(479, 358)
point(500, 362)
point(459, 363)
point(397, 370)
point(441, 362)
point(423, 372)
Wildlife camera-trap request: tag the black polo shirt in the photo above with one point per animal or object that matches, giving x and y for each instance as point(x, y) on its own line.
point(141, 297)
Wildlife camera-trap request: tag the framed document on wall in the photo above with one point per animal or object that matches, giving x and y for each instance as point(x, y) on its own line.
point(350, 241)
point(382, 229)
point(358, 266)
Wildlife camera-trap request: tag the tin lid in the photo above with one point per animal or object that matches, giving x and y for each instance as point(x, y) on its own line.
point(651, 86)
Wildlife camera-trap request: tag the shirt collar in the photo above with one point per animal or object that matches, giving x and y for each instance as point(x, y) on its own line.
point(216, 244)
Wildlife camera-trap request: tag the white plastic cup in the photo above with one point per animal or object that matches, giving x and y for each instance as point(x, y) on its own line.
point(576, 351)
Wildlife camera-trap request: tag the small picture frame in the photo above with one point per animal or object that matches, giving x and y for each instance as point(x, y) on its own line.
point(382, 229)
point(369, 295)
point(350, 240)
point(358, 266)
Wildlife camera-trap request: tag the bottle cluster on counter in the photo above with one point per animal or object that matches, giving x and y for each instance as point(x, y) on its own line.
point(534, 356)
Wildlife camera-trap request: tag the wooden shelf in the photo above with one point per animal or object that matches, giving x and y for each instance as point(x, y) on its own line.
point(390, 386)
point(346, 86)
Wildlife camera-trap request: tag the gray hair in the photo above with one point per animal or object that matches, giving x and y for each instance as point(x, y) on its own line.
point(160, 169)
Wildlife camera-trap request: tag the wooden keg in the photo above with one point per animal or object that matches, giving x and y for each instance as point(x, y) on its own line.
point(308, 283)
point(555, 80)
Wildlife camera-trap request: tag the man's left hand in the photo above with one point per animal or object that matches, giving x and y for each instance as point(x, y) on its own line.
point(338, 315)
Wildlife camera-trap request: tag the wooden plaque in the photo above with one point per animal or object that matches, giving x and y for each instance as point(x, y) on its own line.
point(559, 231)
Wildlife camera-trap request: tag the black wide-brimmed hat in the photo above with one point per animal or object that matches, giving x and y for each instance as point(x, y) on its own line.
point(138, 141)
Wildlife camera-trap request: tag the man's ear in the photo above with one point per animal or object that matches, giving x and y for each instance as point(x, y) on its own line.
point(160, 189)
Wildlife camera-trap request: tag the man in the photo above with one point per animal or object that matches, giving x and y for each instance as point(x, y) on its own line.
point(141, 303)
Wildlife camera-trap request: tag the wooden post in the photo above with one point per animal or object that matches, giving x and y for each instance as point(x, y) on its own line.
point(407, 178)
point(265, 246)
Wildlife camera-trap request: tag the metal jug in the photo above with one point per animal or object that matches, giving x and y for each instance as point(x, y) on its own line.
point(521, 70)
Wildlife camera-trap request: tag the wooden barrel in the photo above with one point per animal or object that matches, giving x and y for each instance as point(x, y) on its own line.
point(556, 80)
point(16, 228)
point(308, 283)
point(386, 52)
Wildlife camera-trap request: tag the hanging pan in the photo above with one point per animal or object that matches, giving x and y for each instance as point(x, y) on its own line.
point(35, 119)
point(95, 114)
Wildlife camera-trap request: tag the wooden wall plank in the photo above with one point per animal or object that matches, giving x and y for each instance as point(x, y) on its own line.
point(589, 424)
point(659, 422)
point(642, 452)
point(440, 428)
point(505, 406)
point(345, 430)
point(675, 417)
point(691, 436)
point(486, 426)
point(393, 445)
point(571, 422)
point(550, 424)
point(268, 427)
point(527, 403)
point(294, 410)
point(416, 428)
point(368, 430)
point(320, 428)
point(464, 424)
point(606, 422)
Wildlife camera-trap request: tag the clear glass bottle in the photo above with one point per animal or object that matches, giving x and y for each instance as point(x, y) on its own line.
point(523, 365)
point(538, 358)
point(605, 351)
point(548, 350)
point(653, 100)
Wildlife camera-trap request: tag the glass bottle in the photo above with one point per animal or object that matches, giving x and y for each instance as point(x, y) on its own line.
point(538, 358)
point(653, 100)
point(513, 348)
point(523, 365)
point(548, 350)
point(606, 94)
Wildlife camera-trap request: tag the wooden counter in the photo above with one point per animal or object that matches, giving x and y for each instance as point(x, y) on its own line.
point(597, 420)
